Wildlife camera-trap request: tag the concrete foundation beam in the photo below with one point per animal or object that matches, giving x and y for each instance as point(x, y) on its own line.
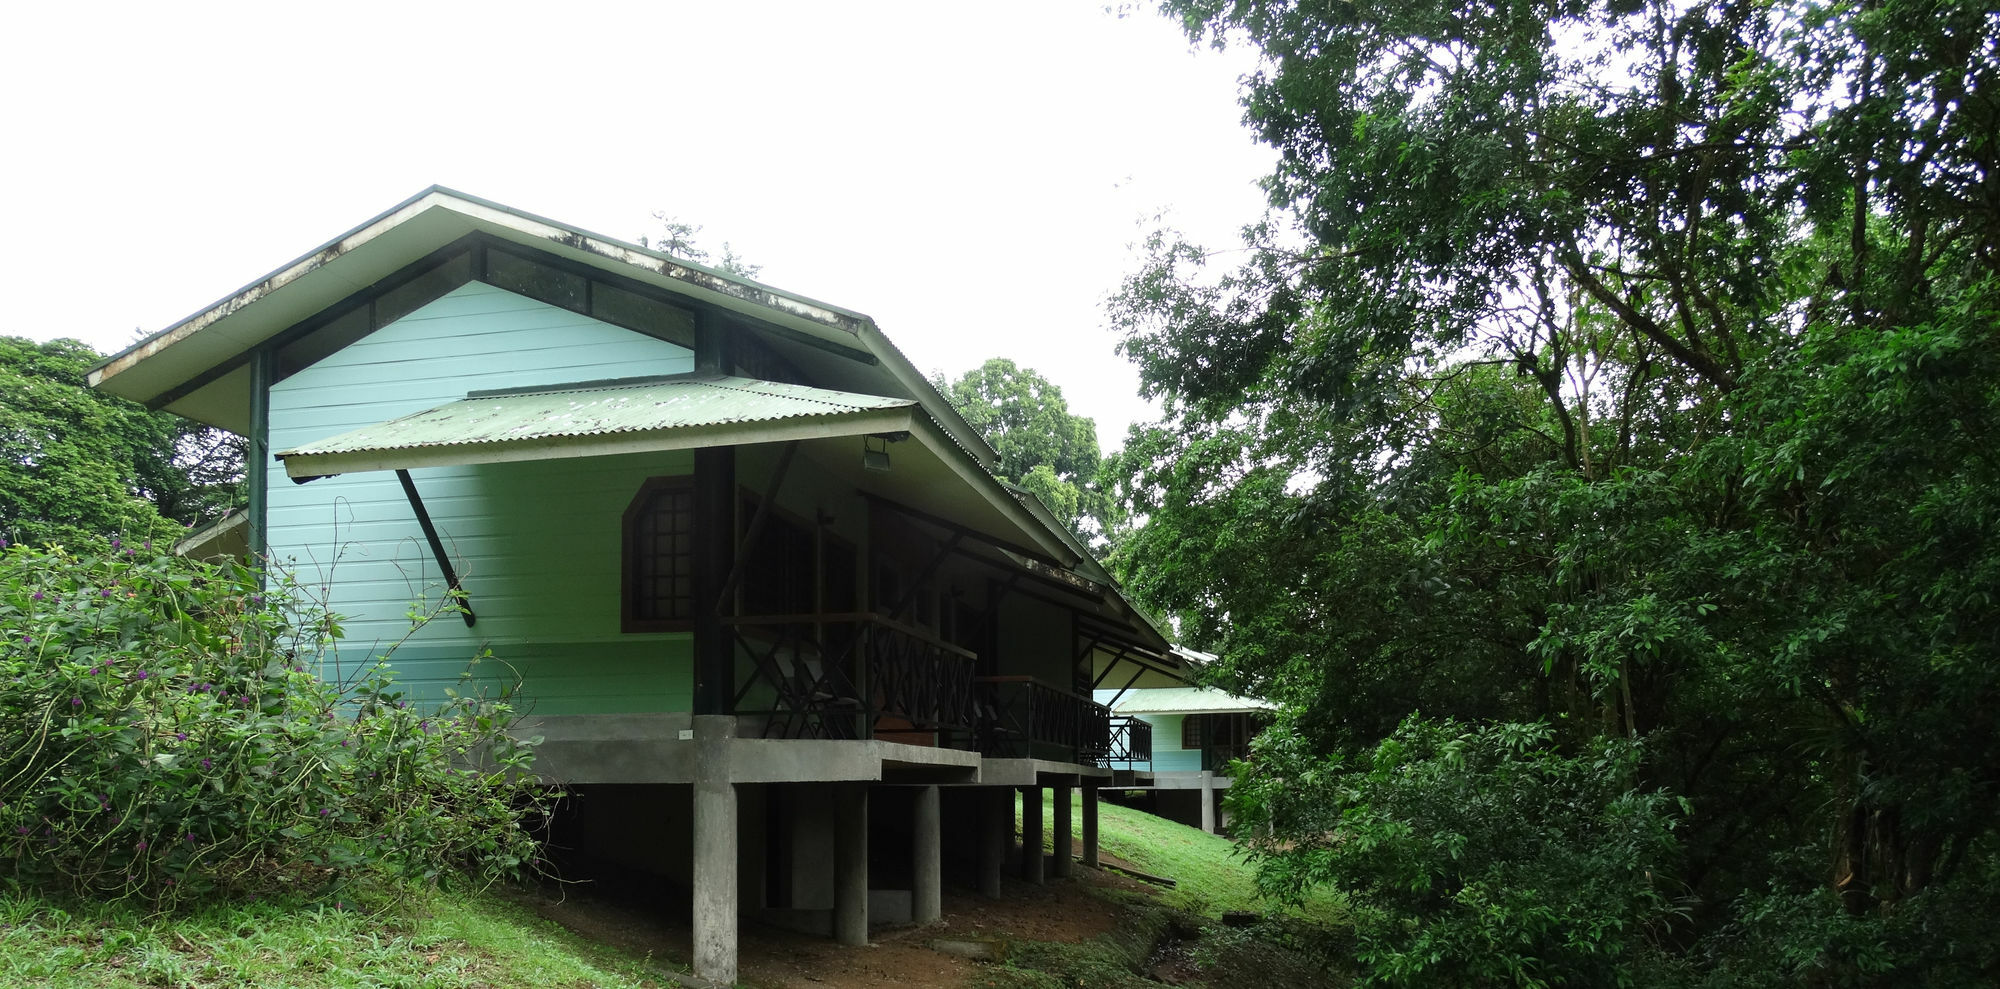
point(1090, 827)
point(1031, 834)
point(1065, 832)
point(927, 858)
point(850, 864)
point(715, 901)
point(996, 832)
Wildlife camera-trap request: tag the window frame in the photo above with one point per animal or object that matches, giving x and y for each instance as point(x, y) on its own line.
point(628, 571)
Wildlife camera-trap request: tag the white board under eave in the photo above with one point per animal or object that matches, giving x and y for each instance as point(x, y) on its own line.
point(536, 544)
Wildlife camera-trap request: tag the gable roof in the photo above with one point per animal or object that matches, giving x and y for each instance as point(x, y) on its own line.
point(198, 367)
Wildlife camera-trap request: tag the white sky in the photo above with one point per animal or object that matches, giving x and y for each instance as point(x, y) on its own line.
point(972, 176)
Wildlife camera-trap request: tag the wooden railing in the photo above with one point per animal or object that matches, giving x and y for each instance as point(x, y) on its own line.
point(1022, 717)
point(1131, 744)
point(851, 676)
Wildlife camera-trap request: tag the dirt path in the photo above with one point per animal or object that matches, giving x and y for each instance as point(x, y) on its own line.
point(770, 958)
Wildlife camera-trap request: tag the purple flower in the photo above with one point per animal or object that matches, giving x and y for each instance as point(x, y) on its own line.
point(141, 675)
point(180, 736)
point(27, 640)
point(37, 596)
point(22, 829)
point(149, 545)
point(76, 702)
point(105, 592)
point(140, 847)
point(324, 811)
point(114, 542)
point(205, 764)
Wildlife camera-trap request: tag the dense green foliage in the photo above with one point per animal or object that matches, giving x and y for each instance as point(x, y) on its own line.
point(76, 463)
point(1044, 448)
point(163, 738)
point(1616, 379)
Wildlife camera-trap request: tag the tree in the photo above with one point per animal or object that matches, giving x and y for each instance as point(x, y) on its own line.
point(1621, 369)
point(79, 464)
point(1043, 447)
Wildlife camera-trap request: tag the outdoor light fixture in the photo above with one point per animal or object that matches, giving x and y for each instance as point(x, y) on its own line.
point(872, 457)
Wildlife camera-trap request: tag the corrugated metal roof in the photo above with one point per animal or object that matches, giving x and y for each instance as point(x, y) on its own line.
point(600, 408)
point(1188, 700)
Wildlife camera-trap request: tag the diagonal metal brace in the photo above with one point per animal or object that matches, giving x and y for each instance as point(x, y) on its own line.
point(437, 545)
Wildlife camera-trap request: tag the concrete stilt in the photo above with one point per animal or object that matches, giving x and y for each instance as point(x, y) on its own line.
point(1031, 834)
point(1208, 800)
point(996, 832)
point(715, 901)
point(850, 864)
point(927, 852)
point(1065, 830)
point(1089, 826)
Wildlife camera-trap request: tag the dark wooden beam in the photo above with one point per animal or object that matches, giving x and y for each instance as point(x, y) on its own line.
point(756, 527)
point(715, 538)
point(437, 546)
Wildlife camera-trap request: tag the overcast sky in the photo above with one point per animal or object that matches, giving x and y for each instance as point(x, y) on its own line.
point(974, 176)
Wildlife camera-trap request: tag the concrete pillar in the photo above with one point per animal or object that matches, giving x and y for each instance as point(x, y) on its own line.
point(715, 901)
point(1208, 800)
point(1031, 834)
point(996, 832)
point(927, 867)
point(850, 864)
point(1089, 826)
point(1065, 831)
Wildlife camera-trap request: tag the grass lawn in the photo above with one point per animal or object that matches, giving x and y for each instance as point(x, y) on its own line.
point(445, 941)
point(1209, 871)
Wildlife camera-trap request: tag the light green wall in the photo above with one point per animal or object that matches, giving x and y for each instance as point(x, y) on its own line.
point(536, 544)
point(1168, 756)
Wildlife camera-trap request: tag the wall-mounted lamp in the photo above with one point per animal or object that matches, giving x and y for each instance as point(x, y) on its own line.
point(875, 453)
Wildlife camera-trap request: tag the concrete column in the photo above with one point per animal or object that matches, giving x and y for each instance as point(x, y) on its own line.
point(1031, 834)
point(1065, 831)
point(996, 832)
point(1208, 800)
point(927, 867)
point(850, 864)
point(715, 901)
point(1089, 826)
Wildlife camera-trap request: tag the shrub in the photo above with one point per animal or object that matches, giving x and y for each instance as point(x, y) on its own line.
point(1473, 854)
point(162, 735)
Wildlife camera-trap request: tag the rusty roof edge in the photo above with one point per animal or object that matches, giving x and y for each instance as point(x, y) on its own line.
point(576, 238)
point(277, 277)
point(933, 401)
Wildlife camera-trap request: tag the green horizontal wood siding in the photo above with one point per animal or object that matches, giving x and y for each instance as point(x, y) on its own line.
point(1168, 756)
point(536, 545)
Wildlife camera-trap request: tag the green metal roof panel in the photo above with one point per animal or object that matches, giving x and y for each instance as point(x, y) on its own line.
point(600, 408)
point(1188, 700)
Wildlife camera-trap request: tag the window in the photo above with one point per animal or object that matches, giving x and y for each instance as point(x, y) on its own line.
point(659, 557)
point(1191, 731)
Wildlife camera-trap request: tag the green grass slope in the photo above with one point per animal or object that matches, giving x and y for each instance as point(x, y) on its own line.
point(446, 941)
point(1210, 872)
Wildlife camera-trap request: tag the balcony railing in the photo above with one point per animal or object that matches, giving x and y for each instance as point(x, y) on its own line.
point(1022, 717)
point(851, 676)
point(1131, 744)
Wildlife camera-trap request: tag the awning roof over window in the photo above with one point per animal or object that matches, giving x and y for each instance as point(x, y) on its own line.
point(600, 418)
point(1189, 700)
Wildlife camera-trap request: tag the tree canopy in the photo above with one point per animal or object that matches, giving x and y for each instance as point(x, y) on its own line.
point(1044, 448)
point(1599, 422)
point(79, 464)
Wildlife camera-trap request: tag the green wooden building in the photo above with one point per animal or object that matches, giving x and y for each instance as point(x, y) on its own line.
point(767, 603)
